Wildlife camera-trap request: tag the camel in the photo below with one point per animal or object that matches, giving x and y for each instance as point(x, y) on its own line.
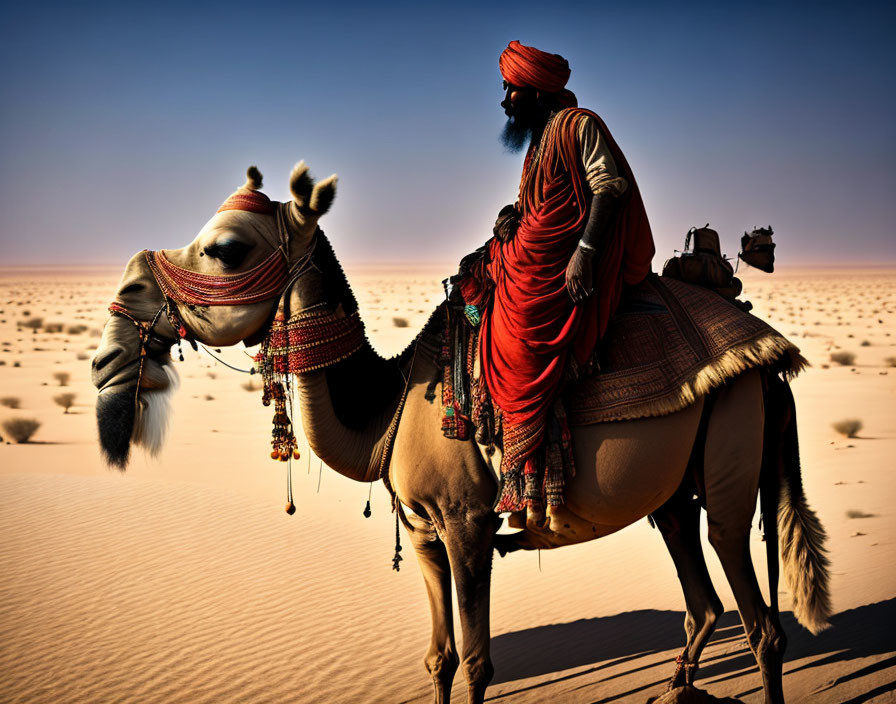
point(739, 444)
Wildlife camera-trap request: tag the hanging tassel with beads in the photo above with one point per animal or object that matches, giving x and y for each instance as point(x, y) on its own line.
point(397, 558)
point(283, 440)
point(367, 507)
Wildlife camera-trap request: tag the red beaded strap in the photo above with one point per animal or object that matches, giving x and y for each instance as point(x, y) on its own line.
point(311, 341)
point(261, 283)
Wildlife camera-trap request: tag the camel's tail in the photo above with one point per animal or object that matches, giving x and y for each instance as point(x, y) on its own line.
point(802, 535)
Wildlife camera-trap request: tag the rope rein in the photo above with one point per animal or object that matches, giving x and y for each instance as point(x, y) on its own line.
point(314, 338)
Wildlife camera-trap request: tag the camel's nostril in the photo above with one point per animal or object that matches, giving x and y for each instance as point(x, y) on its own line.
point(105, 365)
point(101, 361)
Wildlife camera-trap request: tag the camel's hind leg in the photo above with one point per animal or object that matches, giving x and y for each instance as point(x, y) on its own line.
point(441, 658)
point(679, 522)
point(732, 464)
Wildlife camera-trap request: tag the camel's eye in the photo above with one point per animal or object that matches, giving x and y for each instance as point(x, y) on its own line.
point(231, 253)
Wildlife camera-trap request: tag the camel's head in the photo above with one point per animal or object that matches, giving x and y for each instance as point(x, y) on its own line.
point(249, 236)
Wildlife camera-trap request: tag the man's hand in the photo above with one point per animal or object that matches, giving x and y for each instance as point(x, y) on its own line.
point(579, 280)
point(507, 223)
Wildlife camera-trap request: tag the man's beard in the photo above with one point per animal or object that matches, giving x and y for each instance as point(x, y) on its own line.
point(516, 134)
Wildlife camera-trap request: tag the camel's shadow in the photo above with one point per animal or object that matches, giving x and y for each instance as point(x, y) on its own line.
point(613, 640)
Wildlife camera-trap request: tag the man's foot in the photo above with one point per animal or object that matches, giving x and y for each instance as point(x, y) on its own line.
point(536, 518)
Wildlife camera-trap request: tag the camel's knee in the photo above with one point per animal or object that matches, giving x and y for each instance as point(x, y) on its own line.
point(478, 671)
point(441, 665)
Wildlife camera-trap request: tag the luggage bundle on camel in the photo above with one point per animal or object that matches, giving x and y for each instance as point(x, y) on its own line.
point(703, 264)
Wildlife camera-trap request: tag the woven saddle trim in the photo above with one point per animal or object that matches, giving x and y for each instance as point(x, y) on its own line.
point(768, 350)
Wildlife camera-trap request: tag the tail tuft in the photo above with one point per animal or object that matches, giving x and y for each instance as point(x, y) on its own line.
point(805, 562)
point(802, 536)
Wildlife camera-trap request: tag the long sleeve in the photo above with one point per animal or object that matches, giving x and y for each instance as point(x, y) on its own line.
point(600, 168)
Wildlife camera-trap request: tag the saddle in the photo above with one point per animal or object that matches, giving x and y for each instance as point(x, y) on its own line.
point(668, 344)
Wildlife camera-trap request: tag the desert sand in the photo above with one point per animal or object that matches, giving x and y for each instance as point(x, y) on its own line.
point(184, 580)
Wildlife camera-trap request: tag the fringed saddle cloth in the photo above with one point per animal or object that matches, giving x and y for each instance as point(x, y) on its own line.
point(668, 344)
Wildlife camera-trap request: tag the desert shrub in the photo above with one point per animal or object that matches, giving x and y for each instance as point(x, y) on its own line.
point(11, 402)
point(843, 358)
point(17, 363)
point(66, 400)
point(82, 356)
point(890, 361)
point(865, 343)
point(33, 323)
point(848, 426)
point(62, 378)
point(76, 329)
point(400, 322)
point(251, 385)
point(21, 429)
point(857, 513)
point(53, 327)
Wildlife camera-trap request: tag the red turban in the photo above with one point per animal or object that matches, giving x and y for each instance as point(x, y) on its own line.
point(526, 66)
point(246, 199)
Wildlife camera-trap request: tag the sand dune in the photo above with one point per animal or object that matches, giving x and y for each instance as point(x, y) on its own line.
point(184, 580)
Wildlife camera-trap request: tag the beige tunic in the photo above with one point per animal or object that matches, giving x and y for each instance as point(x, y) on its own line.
point(600, 169)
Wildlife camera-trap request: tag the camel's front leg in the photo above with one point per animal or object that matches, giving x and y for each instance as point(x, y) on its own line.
point(470, 544)
point(441, 659)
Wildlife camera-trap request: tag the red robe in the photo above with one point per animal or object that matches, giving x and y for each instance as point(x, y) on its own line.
point(532, 327)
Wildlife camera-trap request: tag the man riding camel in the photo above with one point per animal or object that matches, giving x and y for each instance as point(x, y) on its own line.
point(553, 274)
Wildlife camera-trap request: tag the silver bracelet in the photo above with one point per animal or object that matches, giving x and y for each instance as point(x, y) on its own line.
point(587, 247)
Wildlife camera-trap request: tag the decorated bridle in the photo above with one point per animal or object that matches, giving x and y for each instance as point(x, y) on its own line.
point(310, 340)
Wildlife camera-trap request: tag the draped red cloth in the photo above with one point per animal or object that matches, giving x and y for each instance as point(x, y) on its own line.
point(532, 329)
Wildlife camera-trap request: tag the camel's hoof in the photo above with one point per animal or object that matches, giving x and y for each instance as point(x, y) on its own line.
point(689, 694)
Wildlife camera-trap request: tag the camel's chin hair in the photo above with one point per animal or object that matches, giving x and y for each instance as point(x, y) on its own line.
point(151, 424)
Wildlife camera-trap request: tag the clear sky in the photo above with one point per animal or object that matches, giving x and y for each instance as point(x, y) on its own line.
point(124, 125)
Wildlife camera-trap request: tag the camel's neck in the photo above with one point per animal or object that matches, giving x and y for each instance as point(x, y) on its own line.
point(346, 410)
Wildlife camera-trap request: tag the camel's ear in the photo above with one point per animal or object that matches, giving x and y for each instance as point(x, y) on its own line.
point(300, 184)
point(323, 194)
point(253, 178)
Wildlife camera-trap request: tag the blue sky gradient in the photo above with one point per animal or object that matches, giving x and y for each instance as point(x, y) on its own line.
point(123, 126)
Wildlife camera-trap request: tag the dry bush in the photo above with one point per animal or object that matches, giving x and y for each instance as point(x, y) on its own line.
point(251, 385)
point(890, 361)
point(76, 329)
point(843, 358)
point(66, 400)
point(62, 378)
point(82, 356)
point(21, 429)
point(865, 343)
point(400, 322)
point(54, 327)
point(848, 426)
point(11, 402)
point(33, 323)
point(857, 513)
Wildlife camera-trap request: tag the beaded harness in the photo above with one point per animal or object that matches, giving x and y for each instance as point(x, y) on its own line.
point(313, 339)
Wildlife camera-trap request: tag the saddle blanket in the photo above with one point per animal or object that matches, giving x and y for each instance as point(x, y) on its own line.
point(668, 344)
